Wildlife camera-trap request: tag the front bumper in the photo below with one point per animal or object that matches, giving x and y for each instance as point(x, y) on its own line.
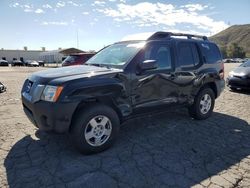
point(236, 82)
point(49, 116)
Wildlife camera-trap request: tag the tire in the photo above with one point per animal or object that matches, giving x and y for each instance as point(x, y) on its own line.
point(202, 110)
point(94, 129)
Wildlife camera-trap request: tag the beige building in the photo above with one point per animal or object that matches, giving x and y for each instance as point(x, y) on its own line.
point(53, 56)
point(57, 56)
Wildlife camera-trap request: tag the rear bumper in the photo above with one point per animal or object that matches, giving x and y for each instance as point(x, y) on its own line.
point(234, 82)
point(49, 116)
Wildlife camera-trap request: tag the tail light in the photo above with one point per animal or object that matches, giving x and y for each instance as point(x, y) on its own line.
point(221, 73)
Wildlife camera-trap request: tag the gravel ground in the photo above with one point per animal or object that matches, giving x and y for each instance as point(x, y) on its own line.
point(165, 150)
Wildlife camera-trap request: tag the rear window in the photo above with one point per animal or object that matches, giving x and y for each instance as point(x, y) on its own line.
point(211, 53)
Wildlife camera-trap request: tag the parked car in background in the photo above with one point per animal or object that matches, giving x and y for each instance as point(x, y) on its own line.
point(234, 60)
point(238, 60)
point(41, 63)
point(77, 59)
point(226, 60)
point(4, 63)
point(239, 78)
point(17, 63)
point(125, 80)
point(31, 63)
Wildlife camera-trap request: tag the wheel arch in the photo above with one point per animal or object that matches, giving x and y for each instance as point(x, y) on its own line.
point(211, 85)
point(95, 101)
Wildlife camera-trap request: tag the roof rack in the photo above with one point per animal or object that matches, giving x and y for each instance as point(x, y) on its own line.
point(167, 35)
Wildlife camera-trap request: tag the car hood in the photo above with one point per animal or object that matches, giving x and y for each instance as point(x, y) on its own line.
point(64, 74)
point(241, 71)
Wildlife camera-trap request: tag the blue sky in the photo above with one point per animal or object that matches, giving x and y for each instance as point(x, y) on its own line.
point(54, 24)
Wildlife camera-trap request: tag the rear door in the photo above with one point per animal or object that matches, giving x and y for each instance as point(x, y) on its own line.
point(188, 61)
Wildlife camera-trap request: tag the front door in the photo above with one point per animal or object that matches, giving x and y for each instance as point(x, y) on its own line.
point(155, 87)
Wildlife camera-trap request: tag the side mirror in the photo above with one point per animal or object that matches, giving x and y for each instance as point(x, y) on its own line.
point(148, 65)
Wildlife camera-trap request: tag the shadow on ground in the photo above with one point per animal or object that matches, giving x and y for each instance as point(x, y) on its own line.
point(165, 150)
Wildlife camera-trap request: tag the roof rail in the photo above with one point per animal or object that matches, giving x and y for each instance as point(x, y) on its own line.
point(167, 35)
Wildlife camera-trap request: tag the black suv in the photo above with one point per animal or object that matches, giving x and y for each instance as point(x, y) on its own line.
point(124, 80)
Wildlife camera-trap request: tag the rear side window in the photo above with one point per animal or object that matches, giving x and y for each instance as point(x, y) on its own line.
point(211, 53)
point(188, 55)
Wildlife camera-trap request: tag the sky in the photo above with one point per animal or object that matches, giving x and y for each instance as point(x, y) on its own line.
point(93, 24)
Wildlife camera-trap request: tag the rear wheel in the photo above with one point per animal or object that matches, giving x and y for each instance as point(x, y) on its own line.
point(95, 129)
point(203, 105)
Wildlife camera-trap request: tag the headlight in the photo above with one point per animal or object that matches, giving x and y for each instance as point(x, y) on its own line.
point(230, 74)
point(51, 93)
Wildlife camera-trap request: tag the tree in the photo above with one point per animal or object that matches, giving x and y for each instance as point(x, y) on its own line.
point(235, 51)
point(223, 51)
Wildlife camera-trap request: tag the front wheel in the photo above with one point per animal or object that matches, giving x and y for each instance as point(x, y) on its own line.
point(95, 129)
point(203, 105)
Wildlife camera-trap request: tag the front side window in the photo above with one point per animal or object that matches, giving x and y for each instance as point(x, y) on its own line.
point(160, 53)
point(117, 54)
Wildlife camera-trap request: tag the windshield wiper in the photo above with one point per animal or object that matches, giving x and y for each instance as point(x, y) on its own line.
point(108, 66)
point(100, 65)
point(93, 64)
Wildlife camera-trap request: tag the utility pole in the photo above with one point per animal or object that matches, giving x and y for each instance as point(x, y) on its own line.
point(77, 40)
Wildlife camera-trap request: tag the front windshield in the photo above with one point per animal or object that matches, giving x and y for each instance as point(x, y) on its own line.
point(246, 64)
point(117, 54)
